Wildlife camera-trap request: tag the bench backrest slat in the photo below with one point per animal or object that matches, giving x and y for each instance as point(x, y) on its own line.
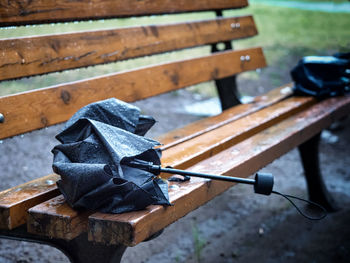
point(41, 11)
point(28, 56)
point(37, 55)
point(41, 108)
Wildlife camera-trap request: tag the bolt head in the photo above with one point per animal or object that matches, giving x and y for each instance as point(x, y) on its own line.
point(235, 25)
point(2, 118)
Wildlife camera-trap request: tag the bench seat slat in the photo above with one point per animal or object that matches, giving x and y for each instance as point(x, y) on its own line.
point(44, 107)
point(70, 224)
point(190, 152)
point(28, 56)
point(205, 125)
point(171, 139)
point(240, 129)
point(15, 201)
point(34, 12)
point(240, 160)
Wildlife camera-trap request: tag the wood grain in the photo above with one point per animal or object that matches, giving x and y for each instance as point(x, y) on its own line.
point(190, 152)
point(202, 126)
point(44, 107)
point(56, 219)
point(15, 201)
point(13, 13)
point(241, 160)
point(182, 156)
point(28, 56)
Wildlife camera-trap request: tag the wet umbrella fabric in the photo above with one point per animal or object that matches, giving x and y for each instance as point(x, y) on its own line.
point(95, 144)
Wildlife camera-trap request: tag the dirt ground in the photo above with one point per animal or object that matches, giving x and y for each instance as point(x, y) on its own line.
point(237, 226)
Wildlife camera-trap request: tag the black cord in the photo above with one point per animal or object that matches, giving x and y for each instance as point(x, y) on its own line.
point(307, 201)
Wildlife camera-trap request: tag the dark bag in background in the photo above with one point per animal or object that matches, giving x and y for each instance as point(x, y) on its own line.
point(322, 76)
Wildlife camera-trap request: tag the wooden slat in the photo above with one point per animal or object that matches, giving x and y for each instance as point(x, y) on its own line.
point(190, 152)
point(198, 128)
point(240, 160)
point(41, 108)
point(202, 126)
point(199, 149)
point(15, 202)
point(30, 56)
point(69, 225)
point(32, 12)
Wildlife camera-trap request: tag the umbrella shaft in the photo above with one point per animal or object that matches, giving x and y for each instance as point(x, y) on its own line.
point(208, 176)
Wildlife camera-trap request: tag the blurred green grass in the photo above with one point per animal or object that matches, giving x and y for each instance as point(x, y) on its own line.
point(284, 33)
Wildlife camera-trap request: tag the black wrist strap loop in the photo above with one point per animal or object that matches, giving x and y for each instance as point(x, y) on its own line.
point(288, 197)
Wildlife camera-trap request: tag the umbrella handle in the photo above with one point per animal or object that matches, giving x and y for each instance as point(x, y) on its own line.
point(263, 182)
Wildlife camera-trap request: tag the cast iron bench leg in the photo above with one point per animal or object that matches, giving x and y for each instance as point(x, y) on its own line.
point(78, 250)
point(316, 187)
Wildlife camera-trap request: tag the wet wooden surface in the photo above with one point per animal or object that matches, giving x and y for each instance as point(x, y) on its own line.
point(202, 126)
point(31, 12)
point(29, 56)
point(41, 108)
point(196, 129)
point(56, 219)
point(15, 201)
point(190, 152)
point(184, 155)
point(240, 160)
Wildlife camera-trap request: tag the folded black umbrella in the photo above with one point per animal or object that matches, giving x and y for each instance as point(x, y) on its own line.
point(107, 165)
point(94, 144)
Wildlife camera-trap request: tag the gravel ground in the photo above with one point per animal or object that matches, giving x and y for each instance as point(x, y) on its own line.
point(237, 226)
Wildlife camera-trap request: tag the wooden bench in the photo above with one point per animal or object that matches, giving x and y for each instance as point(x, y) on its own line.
point(238, 142)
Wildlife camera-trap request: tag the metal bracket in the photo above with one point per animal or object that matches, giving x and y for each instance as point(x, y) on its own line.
point(227, 87)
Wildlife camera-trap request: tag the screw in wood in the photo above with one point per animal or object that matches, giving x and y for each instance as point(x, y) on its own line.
point(2, 118)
